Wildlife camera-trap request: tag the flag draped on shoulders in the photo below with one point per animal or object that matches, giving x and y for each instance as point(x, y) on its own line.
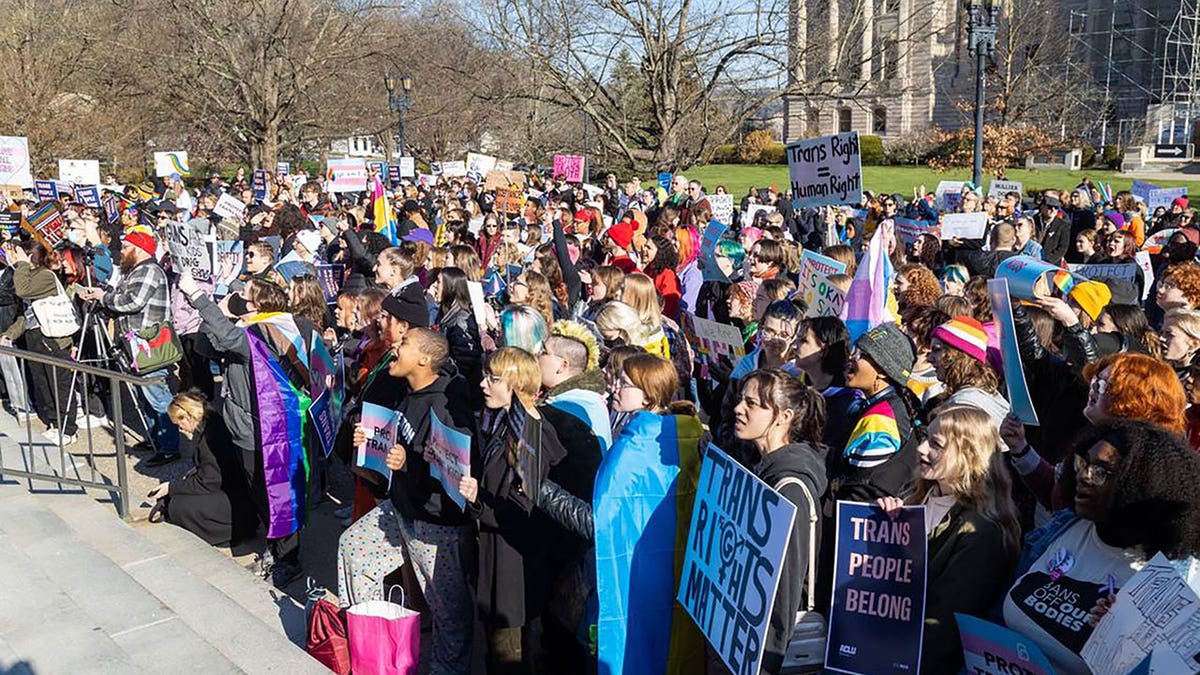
point(381, 211)
point(645, 489)
point(870, 301)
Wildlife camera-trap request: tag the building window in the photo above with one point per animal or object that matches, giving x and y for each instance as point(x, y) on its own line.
point(813, 123)
point(879, 121)
point(844, 121)
point(891, 59)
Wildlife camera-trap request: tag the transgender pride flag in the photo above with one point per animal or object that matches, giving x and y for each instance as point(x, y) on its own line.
point(870, 302)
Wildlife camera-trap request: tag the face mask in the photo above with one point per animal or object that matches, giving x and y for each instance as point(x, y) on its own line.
point(76, 237)
point(238, 305)
point(614, 343)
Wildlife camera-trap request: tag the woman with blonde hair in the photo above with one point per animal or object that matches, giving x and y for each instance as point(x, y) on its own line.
point(532, 288)
point(466, 259)
point(605, 284)
point(621, 324)
point(1180, 338)
point(972, 526)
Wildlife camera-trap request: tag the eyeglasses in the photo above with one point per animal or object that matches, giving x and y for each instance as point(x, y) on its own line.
point(1093, 473)
point(626, 384)
point(854, 354)
point(772, 334)
point(490, 379)
point(1099, 384)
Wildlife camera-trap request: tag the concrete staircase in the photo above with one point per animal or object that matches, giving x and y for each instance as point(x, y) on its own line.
point(85, 592)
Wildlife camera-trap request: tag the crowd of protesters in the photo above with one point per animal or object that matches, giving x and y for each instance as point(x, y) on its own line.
point(588, 399)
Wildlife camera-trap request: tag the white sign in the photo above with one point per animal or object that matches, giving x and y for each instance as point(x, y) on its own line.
point(167, 163)
point(188, 245)
point(949, 194)
point(822, 297)
point(964, 225)
point(229, 207)
point(14, 161)
point(79, 171)
point(722, 208)
point(454, 169)
point(825, 171)
point(479, 165)
point(346, 174)
point(752, 210)
point(408, 167)
point(999, 188)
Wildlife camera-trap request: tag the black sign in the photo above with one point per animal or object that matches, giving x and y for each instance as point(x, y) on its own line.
point(1172, 151)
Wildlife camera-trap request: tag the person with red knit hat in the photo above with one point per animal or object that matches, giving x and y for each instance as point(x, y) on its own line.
point(959, 355)
point(619, 240)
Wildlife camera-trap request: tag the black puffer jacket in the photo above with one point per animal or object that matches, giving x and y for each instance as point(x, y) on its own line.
point(1056, 386)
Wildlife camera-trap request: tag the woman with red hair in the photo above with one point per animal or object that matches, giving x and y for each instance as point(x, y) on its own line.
point(1124, 386)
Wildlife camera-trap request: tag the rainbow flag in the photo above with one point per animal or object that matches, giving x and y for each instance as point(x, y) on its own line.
point(1064, 280)
point(385, 220)
point(870, 301)
point(282, 411)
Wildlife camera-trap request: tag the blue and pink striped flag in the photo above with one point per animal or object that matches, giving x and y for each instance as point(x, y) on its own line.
point(870, 301)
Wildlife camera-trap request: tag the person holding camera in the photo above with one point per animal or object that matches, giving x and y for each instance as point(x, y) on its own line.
point(142, 300)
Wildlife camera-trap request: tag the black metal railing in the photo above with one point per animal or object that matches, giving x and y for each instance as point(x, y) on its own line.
point(36, 462)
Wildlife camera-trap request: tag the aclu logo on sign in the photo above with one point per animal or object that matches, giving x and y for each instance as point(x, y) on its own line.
point(847, 650)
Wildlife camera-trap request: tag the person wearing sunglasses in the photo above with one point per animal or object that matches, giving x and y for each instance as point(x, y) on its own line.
point(1132, 490)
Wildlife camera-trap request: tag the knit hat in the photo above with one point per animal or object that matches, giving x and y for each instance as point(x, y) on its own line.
point(622, 233)
point(142, 240)
point(890, 350)
point(1092, 296)
point(1181, 202)
point(408, 304)
point(310, 239)
point(1122, 291)
point(1115, 218)
point(966, 335)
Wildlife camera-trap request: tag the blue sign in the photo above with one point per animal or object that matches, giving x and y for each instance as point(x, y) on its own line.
point(708, 246)
point(664, 181)
point(1142, 190)
point(878, 611)
point(259, 184)
point(989, 649)
point(1010, 353)
point(47, 190)
point(380, 169)
point(88, 195)
point(322, 419)
point(393, 174)
point(283, 168)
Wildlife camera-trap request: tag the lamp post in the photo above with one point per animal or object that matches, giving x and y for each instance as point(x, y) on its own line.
point(981, 43)
point(397, 103)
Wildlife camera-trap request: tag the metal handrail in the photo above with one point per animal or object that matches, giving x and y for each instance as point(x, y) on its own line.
point(136, 380)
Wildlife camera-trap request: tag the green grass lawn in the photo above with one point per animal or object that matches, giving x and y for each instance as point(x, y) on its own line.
point(902, 179)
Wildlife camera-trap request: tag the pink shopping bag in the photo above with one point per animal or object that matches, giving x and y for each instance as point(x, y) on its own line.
point(385, 637)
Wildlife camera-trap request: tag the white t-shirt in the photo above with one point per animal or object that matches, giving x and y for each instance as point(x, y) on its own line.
point(1050, 603)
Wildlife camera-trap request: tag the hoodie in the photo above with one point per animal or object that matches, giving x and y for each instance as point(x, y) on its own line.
point(803, 461)
point(414, 492)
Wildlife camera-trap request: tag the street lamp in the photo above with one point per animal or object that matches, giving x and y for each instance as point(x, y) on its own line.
point(398, 103)
point(981, 42)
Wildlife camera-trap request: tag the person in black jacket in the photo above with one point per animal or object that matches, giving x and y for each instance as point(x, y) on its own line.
point(212, 500)
point(456, 320)
point(1058, 236)
point(784, 419)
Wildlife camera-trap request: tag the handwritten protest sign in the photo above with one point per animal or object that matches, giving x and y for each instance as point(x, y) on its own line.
point(228, 257)
point(878, 611)
point(322, 419)
point(345, 174)
point(708, 246)
point(721, 207)
point(186, 242)
point(408, 167)
point(79, 171)
point(380, 426)
point(1142, 189)
point(736, 544)
point(14, 161)
point(909, 229)
point(508, 201)
point(1010, 353)
point(949, 194)
point(999, 188)
point(1155, 242)
point(330, 277)
point(964, 225)
point(1027, 277)
point(451, 451)
point(825, 170)
point(718, 339)
point(989, 649)
point(752, 211)
point(820, 295)
point(1163, 197)
point(229, 207)
point(167, 163)
point(479, 165)
point(570, 167)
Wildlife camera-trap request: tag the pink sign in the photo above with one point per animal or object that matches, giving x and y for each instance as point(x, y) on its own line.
point(570, 167)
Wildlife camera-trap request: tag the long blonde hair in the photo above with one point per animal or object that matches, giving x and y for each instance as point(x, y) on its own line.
point(620, 317)
point(638, 291)
point(974, 466)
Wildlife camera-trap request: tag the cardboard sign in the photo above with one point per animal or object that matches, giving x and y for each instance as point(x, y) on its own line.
point(999, 188)
point(877, 616)
point(570, 167)
point(909, 229)
point(258, 183)
point(822, 297)
point(322, 419)
point(734, 558)
point(380, 425)
point(964, 225)
point(188, 246)
point(1010, 352)
point(1163, 197)
point(502, 179)
point(989, 649)
point(229, 207)
point(509, 201)
point(167, 163)
point(722, 208)
point(346, 174)
point(79, 171)
point(14, 162)
point(451, 451)
point(228, 258)
point(1028, 277)
point(825, 170)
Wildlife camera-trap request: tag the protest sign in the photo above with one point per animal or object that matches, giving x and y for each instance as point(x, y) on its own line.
point(10, 222)
point(1127, 271)
point(229, 207)
point(731, 568)
point(708, 246)
point(1027, 277)
point(228, 257)
point(187, 245)
point(752, 211)
point(718, 339)
point(664, 180)
point(1142, 189)
point(88, 195)
point(393, 175)
point(451, 451)
point(330, 277)
point(11, 192)
point(815, 289)
point(964, 225)
point(878, 611)
point(1163, 197)
point(1142, 258)
point(721, 207)
point(79, 171)
point(322, 419)
point(346, 174)
point(497, 180)
point(1155, 242)
point(478, 303)
point(408, 167)
point(825, 170)
point(949, 194)
point(1010, 353)
point(258, 183)
point(989, 649)
point(570, 167)
point(379, 423)
point(454, 169)
point(46, 190)
point(283, 168)
point(378, 168)
point(45, 224)
point(1155, 607)
point(479, 165)
point(503, 165)
point(14, 161)
point(508, 201)
point(167, 163)
point(909, 229)
point(999, 188)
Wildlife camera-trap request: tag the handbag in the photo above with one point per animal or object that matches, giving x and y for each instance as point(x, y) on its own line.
point(154, 348)
point(55, 314)
point(326, 639)
point(385, 637)
point(805, 652)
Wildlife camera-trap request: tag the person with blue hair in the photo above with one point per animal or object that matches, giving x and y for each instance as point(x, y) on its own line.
point(523, 326)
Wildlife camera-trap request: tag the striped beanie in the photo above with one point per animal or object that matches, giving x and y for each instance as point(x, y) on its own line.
point(965, 334)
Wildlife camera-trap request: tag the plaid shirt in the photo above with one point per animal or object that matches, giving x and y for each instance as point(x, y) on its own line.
point(142, 299)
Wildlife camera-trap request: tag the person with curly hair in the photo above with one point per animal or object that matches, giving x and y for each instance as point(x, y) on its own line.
point(916, 286)
point(1179, 287)
point(1131, 490)
point(918, 323)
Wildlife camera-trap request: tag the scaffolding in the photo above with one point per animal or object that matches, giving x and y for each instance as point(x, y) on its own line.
point(1180, 89)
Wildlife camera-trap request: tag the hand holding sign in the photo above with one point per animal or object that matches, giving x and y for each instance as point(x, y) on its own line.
point(395, 457)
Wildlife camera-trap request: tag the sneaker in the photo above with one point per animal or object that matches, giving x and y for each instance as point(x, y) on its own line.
point(161, 459)
point(284, 572)
point(91, 421)
point(25, 416)
point(56, 438)
point(263, 562)
point(344, 512)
